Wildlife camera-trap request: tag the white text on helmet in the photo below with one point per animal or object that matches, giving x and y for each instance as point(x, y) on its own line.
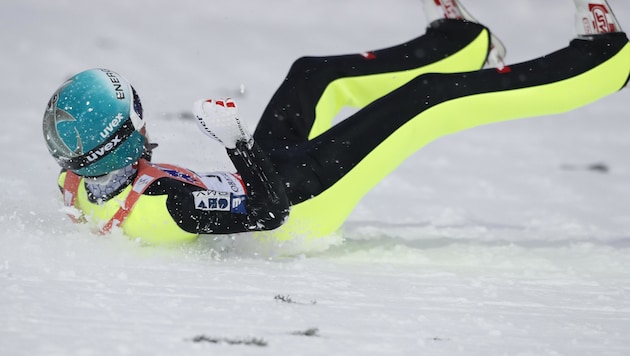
point(104, 150)
point(113, 77)
point(112, 125)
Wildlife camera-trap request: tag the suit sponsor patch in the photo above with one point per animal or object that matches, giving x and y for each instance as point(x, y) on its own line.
point(212, 200)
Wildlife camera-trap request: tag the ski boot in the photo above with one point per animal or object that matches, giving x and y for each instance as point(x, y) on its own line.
point(453, 9)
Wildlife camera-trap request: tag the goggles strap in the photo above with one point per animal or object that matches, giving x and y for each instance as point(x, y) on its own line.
point(96, 154)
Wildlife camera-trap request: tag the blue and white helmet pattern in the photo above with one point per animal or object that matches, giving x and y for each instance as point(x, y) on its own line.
point(92, 122)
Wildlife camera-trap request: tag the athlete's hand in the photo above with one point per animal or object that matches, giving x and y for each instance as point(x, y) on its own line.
point(218, 119)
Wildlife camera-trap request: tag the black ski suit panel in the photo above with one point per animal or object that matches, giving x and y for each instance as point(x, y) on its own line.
point(267, 205)
point(267, 202)
point(290, 113)
point(310, 167)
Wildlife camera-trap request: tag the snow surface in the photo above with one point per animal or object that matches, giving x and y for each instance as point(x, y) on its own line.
point(501, 240)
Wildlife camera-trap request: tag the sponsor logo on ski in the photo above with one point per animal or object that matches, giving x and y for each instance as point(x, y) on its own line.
point(600, 19)
point(451, 11)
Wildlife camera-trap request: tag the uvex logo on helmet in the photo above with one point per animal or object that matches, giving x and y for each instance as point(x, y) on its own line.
point(103, 150)
point(600, 19)
point(111, 127)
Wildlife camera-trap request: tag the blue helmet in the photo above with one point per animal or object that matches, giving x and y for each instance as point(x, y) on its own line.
point(92, 123)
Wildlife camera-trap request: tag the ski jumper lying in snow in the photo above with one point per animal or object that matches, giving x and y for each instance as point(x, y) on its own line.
point(298, 174)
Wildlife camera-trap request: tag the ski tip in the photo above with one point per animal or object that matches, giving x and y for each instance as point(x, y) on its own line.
point(594, 17)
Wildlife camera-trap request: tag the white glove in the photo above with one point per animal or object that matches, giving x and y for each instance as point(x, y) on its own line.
point(218, 119)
